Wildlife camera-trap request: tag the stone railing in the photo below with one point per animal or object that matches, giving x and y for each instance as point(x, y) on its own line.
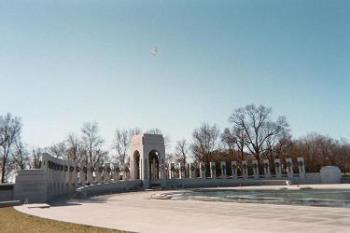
point(243, 170)
point(58, 177)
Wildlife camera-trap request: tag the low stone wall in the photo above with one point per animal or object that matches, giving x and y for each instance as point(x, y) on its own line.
point(310, 178)
point(108, 188)
point(201, 183)
point(31, 186)
point(6, 192)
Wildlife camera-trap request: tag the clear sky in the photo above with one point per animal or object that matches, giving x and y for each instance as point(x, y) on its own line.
point(63, 63)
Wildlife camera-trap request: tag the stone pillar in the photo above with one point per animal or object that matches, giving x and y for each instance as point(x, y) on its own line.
point(116, 171)
point(99, 173)
point(212, 170)
point(278, 172)
point(192, 171)
point(202, 170)
point(267, 172)
point(79, 174)
point(108, 171)
point(255, 169)
point(71, 176)
point(67, 177)
point(49, 175)
point(244, 169)
point(61, 177)
point(57, 177)
point(171, 170)
point(187, 170)
point(289, 164)
point(83, 174)
point(44, 162)
point(234, 169)
point(181, 171)
point(75, 175)
point(223, 169)
point(54, 176)
point(162, 172)
point(301, 167)
point(89, 172)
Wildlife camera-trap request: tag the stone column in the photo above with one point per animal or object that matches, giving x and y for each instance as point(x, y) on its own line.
point(54, 177)
point(278, 172)
point(212, 170)
point(99, 173)
point(44, 162)
point(181, 171)
point(301, 167)
point(234, 169)
point(244, 169)
point(223, 169)
point(89, 171)
point(108, 172)
point(202, 170)
point(171, 170)
point(289, 164)
point(79, 174)
point(255, 169)
point(49, 175)
point(67, 177)
point(75, 175)
point(267, 172)
point(116, 171)
point(83, 174)
point(192, 171)
point(60, 177)
point(71, 176)
point(104, 173)
point(187, 170)
point(162, 172)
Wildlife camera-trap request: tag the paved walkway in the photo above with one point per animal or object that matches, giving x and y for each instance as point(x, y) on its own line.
point(137, 212)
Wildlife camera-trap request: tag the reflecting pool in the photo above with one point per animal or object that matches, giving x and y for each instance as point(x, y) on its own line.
point(308, 197)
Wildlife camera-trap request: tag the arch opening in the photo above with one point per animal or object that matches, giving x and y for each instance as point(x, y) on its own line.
point(153, 165)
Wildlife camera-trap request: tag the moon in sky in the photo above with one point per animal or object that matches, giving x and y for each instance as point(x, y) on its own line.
point(155, 51)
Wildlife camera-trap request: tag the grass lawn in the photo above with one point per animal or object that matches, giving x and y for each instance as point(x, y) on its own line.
point(12, 221)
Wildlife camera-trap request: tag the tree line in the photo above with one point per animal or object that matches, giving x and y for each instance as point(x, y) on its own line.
point(252, 133)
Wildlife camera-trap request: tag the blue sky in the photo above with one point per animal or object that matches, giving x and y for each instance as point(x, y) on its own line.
point(63, 63)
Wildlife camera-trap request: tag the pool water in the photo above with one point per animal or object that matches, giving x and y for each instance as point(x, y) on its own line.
point(308, 197)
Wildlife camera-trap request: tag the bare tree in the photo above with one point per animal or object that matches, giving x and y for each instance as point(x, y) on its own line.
point(258, 127)
point(205, 142)
point(73, 148)
point(229, 139)
point(121, 144)
point(20, 156)
point(241, 140)
point(58, 150)
point(154, 131)
point(92, 145)
point(181, 151)
point(10, 130)
point(235, 139)
point(35, 158)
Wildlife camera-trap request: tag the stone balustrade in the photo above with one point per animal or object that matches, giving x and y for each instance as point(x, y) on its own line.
point(244, 170)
